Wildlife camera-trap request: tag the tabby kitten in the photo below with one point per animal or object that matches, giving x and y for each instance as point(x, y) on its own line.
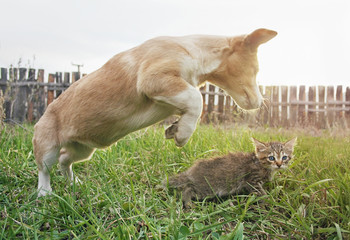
point(234, 173)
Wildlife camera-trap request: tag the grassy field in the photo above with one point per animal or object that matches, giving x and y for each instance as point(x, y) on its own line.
point(119, 198)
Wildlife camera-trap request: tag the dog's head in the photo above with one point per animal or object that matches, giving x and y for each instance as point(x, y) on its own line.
point(237, 72)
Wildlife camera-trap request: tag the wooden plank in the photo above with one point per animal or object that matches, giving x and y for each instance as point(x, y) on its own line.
point(59, 80)
point(66, 78)
point(311, 115)
point(11, 93)
point(40, 104)
point(339, 97)
point(204, 109)
point(284, 113)
point(321, 117)
point(50, 93)
point(330, 111)
point(293, 107)
point(3, 80)
point(211, 99)
point(2, 112)
point(14, 74)
point(228, 108)
point(30, 99)
point(19, 105)
point(75, 76)
point(301, 107)
point(267, 112)
point(221, 105)
point(275, 107)
point(5, 90)
point(259, 113)
point(347, 99)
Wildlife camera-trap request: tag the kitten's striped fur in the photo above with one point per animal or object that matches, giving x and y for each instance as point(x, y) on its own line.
point(233, 173)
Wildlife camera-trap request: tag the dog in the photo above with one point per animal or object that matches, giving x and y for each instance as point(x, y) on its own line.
point(140, 87)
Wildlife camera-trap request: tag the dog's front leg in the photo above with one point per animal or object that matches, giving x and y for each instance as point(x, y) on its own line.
point(189, 103)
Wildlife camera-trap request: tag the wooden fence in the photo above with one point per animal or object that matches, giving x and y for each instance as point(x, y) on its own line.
point(285, 106)
point(27, 94)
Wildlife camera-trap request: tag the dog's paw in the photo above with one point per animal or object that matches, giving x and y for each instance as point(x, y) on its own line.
point(172, 130)
point(43, 192)
point(180, 141)
point(180, 132)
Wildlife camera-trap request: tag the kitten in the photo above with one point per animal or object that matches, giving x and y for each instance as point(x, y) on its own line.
point(234, 173)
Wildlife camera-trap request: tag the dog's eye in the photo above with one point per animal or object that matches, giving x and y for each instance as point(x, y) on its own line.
point(284, 158)
point(272, 158)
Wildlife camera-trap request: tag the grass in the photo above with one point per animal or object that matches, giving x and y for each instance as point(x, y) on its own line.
point(119, 198)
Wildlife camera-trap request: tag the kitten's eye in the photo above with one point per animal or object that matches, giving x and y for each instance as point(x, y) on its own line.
point(284, 158)
point(272, 158)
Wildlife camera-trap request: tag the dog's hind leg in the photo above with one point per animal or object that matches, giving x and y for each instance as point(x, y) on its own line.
point(70, 153)
point(46, 155)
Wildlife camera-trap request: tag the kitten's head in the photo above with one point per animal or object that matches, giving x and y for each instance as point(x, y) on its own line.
point(275, 155)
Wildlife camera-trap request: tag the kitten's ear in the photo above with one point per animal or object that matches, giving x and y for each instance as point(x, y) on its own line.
point(291, 143)
point(259, 146)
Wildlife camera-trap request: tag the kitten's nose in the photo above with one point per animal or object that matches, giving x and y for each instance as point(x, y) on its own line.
point(279, 164)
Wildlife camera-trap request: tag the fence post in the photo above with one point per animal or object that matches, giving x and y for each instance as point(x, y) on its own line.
point(321, 122)
point(75, 76)
point(66, 79)
point(311, 116)
point(3, 80)
point(19, 107)
point(50, 91)
point(275, 106)
point(7, 102)
point(221, 105)
point(268, 96)
point(204, 110)
point(330, 106)
point(259, 116)
point(301, 107)
point(211, 98)
point(13, 77)
point(347, 106)
point(339, 97)
point(58, 80)
point(293, 106)
point(40, 104)
point(284, 113)
point(228, 108)
point(30, 92)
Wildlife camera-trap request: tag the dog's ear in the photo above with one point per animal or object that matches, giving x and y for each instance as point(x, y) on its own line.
point(259, 36)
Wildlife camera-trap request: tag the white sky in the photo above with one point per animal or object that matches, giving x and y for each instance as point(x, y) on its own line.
point(312, 47)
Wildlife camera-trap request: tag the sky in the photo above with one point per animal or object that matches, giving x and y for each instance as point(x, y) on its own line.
point(312, 46)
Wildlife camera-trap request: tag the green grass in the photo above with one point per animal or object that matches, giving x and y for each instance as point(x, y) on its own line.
point(119, 198)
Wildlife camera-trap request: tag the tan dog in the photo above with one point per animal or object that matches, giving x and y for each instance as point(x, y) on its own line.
point(140, 87)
